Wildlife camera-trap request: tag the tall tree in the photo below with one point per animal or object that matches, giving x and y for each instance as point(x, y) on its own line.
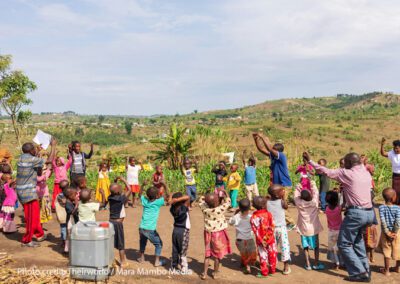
point(14, 89)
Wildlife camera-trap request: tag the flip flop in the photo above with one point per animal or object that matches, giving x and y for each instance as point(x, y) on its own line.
point(259, 275)
point(308, 268)
point(287, 272)
point(320, 266)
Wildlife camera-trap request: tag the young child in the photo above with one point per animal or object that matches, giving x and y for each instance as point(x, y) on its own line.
point(250, 176)
point(190, 182)
point(117, 200)
point(333, 214)
point(44, 195)
point(7, 223)
point(324, 184)
point(389, 215)
point(103, 182)
point(132, 176)
point(216, 238)
point(60, 169)
point(180, 236)
point(158, 177)
point(220, 170)
point(244, 235)
point(71, 210)
point(234, 180)
point(306, 171)
point(77, 159)
point(308, 223)
point(5, 178)
point(60, 210)
point(219, 189)
point(148, 225)
point(277, 205)
point(86, 209)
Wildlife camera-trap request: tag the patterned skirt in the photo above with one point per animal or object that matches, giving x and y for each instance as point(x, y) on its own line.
point(45, 209)
point(7, 219)
point(248, 251)
point(371, 237)
point(217, 244)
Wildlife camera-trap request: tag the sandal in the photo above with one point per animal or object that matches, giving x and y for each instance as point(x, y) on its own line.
point(260, 275)
point(203, 276)
point(287, 272)
point(320, 266)
point(162, 262)
point(308, 268)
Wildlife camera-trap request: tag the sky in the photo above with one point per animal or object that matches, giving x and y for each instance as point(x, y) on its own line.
point(143, 57)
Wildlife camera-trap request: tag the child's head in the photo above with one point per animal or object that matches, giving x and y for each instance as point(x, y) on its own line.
point(60, 161)
point(322, 162)
point(332, 198)
point(64, 184)
point(81, 182)
point(187, 164)
point(279, 147)
point(244, 205)
point(276, 191)
point(103, 167)
point(115, 189)
point(341, 163)
point(259, 202)
point(305, 195)
point(222, 165)
point(177, 195)
point(6, 169)
point(220, 178)
point(336, 189)
point(132, 161)
point(152, 193)
point(29, 148)
point(85, 195)
point(234, 167)
point(211, 200)
point(396, 146)
point(252, 162)
point(389, 195)
point(159, 169)
point(70, 194)
point(76, 146)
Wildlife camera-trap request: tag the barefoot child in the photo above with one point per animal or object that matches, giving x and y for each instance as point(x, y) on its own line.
point(103, 182)
point(148, 225)
point(132, 177)
point(219, 189)
point(77, 159)
point(250, 176)
point(117, 200)
point(244, 235)
point(7, 223)
point(71, 209)
point(333, 214)
point(220, 170)
point(390, 237)
point(308, 223)
point(44, 195)
point(277, 206)
point(216, 239)
point(86, 209)
point(60, 169)
point(234, 180)
point(190, 182)
point(60, 210)
point(180, 236)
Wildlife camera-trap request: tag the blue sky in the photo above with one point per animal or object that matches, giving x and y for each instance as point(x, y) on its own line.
point(156, 56)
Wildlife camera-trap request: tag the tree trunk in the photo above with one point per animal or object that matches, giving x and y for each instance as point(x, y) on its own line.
point(16, 130)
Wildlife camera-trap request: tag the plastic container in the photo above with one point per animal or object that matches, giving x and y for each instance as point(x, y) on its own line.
point(91, 250)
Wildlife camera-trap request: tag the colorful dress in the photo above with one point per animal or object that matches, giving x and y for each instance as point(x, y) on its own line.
point(103, 182)
point(44, 196)
point(7, 210)
point(305, 179)
point(263, 227)
point(60, 173)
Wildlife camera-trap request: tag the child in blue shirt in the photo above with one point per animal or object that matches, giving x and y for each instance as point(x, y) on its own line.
point(250, 179)
point(148, 225)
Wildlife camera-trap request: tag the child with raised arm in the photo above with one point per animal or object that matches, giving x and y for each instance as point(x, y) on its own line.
point(180, 236)
point(103, 182)
point(151, 203)
point(244, 235)
point(394, 157)
point(324, 184)
point(277, 205)
point(116, 201)
point(87, 210)
point(234, 180)
point(216, 239)
point(132, 177)
point(250, 176)
point(306, 171)
point(220, 170)
point(60, 169)
point(44, 195)
point(77, 158)
point(158, 177)
point(389, 215)
point(190, 182)
point(308, 223)
point(333, 214)
point(263, 228)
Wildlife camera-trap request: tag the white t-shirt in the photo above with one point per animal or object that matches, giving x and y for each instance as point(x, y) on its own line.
point(243, 226)
point(395, 159)
point(132, 174)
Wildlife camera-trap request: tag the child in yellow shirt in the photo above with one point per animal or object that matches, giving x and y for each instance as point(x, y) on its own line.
point(234, 180)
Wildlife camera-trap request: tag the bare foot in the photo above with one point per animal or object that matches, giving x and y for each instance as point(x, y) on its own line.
point(384, 271)
point(140, 259)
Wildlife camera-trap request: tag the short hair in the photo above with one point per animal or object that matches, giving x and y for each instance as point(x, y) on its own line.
point(177, 195)
point(305, 195)
point(80, 179)
point(85, 195)
point(332, 198)
point(279, 147)
point(152, 193)
point(244, 205)
point(259, 202)
point(323, 161)
point(388, 194)
point(64, 184)
point(6, 169)
point(113, 191)
point(74, 143)
point(27, 147)
point(252, 160)
point(396, 143)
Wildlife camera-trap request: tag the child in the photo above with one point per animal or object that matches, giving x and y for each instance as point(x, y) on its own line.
point(60, 169)
point(277, 205)
point(117, 200)
point(234, 184)
point(77, 159)
point(250, 179)
point(306, 171)
point(44, 195)
point(158, 177)
point(216, 238)
point(5, 177)
point(60, 210)
point(190, 182)
point(7, 223)
point(220, 170)
point(132, 176)
point(334, 217)
point(263, 228)
point(103, 182)
point(86, 209)
point(308, 223)
point(71, 209)
point(390, 236)
point(180, 236)
point(148, 225)
point(244, 235)
point(324, 184)
point(219, 189)
point(81, 183)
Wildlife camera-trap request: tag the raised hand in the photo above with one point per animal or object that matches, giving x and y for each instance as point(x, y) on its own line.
point(383, 140)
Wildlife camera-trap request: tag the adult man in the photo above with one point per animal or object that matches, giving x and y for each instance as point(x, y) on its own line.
point(356, 183)
point(28, 168)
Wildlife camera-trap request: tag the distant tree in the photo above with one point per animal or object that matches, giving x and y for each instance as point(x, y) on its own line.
point(195, 111)
point(14, 89)
point(101, 119)
point(128, 127)
point(79, 131)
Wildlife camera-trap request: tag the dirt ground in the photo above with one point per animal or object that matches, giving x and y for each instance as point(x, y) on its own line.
point(49, 256)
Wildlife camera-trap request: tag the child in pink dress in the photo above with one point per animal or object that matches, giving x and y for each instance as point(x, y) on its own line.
point(7, 210)
point(44, 196)
point(60, 168)
point(306, 171)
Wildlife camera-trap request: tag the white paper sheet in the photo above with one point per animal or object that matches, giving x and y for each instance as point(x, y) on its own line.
point(43, 139)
